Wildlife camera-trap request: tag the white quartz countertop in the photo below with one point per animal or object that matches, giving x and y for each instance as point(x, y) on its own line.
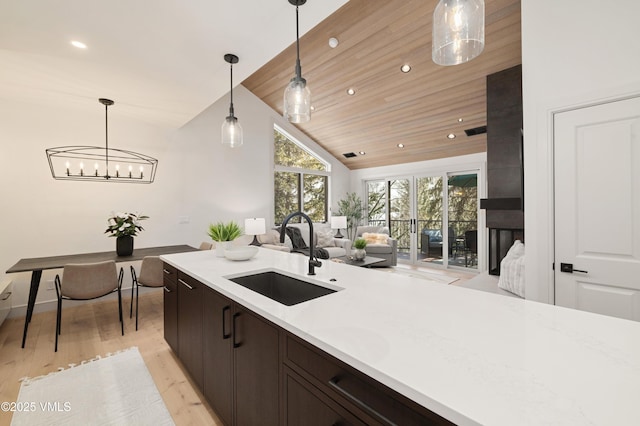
point(470, 356)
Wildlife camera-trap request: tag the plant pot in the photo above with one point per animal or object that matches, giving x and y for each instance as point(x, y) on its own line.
point(359, 254)
point(124, 245)
point(221, 246)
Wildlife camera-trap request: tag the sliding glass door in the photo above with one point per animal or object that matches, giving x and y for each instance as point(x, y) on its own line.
point(434, 218)
point(462, 217)
point(429, 219)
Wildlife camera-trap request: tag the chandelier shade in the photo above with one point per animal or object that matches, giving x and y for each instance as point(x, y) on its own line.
point(94, 163)
point(297, 95)
point(458, 31)
point(231, 129)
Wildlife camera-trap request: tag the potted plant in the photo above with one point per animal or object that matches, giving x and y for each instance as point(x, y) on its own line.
point(223, 233)
point(124, 226)
point(351, 207)
point(359, 253)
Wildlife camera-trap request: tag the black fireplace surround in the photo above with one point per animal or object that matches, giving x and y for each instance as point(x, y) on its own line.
point(505, 168)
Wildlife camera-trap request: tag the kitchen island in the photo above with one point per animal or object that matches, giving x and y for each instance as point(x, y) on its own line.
point(468, 356)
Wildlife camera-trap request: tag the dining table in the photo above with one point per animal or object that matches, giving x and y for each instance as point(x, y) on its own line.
point(38, 264)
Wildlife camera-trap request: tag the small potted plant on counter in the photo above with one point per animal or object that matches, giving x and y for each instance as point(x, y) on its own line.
point(223, 233)
point(359, 253)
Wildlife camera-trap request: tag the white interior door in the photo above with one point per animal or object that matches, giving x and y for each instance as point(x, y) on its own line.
point(597, 208)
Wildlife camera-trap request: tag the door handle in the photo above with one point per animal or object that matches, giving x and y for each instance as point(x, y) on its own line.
point(568, 267)
point(334, 384)
point(224, 327)
point(234, 330)
point(185, 284)
point(166, 289)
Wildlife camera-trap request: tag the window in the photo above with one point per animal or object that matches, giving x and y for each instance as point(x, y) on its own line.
point(300, 179)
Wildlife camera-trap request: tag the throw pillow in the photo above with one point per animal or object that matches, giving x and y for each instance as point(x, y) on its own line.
point(270, 237)
point(372, 238)
point(324, 238)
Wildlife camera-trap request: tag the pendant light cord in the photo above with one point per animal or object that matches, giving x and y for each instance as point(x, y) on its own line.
point(298, 67)
point(231, 104)
point(106, 139)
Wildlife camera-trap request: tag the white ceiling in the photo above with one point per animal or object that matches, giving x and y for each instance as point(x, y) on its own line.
point(161, 61)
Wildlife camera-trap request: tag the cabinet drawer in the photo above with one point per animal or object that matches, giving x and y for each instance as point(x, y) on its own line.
point(368, 399)
point(306, 405)
point(170, 273)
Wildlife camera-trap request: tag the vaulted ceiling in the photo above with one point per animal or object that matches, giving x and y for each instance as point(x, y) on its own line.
point(160, 61)
point(417, 109)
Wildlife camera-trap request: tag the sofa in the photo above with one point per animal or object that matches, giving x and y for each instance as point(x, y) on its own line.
point(323, 239)
point(379, 244)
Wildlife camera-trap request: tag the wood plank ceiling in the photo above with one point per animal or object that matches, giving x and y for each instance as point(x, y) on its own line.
point(418, 109)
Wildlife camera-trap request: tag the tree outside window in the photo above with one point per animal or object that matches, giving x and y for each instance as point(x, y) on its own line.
point(300, 180)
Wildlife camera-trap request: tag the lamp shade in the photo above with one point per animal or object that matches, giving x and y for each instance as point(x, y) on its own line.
point(458, 31)
point(338, 222)
point(297, 101)
point(255, 226)
point(231, 132)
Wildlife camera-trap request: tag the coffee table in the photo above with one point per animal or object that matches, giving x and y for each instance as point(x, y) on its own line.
point(367, 262)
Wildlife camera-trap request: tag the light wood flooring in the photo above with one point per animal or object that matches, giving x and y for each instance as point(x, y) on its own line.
point(92, 329)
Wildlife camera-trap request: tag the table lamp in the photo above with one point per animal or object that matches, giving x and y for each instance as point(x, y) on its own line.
point(338, 222)
point(255, 226)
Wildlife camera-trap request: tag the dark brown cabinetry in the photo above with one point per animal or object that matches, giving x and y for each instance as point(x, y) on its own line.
point(218, 356)
point(171, 306)
point(368, 400)
point(306, 405)
point(253, 372)
point(241, 363)
point(190, 293)
point(256, 368)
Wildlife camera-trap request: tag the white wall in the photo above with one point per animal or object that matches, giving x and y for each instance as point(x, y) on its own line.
point(573, 52)
point(461, 163)
point(197, 178)
point(234, 184)
point(41, 216)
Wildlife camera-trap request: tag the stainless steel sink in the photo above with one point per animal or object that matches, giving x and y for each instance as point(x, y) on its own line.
point(281, 288)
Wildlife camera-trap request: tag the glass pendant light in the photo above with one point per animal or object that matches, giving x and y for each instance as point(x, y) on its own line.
point(297, 96)
point(458, 31)
point(231, 129)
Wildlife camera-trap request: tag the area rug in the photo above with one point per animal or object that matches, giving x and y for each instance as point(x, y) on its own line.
point(113, 390)
point(441, 279)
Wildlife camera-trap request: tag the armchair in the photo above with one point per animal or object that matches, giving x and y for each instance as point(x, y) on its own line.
point(388, 252)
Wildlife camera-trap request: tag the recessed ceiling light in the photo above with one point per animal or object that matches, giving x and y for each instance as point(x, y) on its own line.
point(361, 152)
point(351, 91)
point(405, 68)
point(333, 42)
point(400, 145)
point(78, 44)
point(460, 120)
point(451, 136)
point(313, 108)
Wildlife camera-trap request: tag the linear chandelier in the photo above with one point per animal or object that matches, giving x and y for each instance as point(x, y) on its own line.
point(94, 163)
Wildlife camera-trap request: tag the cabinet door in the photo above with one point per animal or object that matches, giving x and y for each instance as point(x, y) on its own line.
point(190, 326)
point(218, 367)
point(171, 307)
point(256, 367)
